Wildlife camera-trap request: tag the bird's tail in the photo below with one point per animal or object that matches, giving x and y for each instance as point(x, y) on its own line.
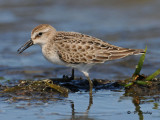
point(138, 51)
point(123, 52)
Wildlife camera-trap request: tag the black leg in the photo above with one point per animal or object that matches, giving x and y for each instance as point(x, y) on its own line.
point(72, 77)
point(69, 78)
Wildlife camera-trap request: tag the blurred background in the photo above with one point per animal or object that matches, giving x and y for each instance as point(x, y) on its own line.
point(125, 23)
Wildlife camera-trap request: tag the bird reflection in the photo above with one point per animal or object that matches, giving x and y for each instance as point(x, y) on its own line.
point(85, 114)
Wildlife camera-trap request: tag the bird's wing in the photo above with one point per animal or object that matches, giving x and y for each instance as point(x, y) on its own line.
point(77, 48)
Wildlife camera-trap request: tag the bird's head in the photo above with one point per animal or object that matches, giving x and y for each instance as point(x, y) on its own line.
point(40, 35)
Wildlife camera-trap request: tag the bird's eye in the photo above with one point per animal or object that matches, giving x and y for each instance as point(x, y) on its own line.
point(39, 34)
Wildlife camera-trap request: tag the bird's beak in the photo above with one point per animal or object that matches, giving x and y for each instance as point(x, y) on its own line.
point(25, 46)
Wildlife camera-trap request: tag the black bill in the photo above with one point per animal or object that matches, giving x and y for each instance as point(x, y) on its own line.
point(25, 46)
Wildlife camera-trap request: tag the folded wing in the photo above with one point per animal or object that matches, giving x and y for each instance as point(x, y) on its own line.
point(75, 48)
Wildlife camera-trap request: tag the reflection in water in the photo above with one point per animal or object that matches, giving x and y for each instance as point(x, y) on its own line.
point(155, 106)
point(85, 115)
point(73, 110)
point(136, 102)
point(141, 95)
point(90, 102)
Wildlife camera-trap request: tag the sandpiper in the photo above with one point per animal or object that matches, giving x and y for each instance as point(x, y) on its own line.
point(74, 49)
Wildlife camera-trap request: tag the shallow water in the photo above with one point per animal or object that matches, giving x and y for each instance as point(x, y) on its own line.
point(106, 105)
point(132, 24)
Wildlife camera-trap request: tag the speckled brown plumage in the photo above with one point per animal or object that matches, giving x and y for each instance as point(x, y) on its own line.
point(75, 48)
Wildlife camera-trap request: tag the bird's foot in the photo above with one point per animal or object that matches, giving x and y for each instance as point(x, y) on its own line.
point(67, 77)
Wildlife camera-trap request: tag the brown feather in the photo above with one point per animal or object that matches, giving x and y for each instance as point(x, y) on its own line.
point(80, 48)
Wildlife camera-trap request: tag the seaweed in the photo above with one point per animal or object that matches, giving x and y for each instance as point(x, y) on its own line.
point(140, 64)
point(40, 89)
point(139, 79)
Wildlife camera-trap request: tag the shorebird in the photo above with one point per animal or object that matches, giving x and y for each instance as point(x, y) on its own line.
point(74, 49)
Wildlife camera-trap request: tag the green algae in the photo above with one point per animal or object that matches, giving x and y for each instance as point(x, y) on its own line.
point(32, 88)
point(141, 79)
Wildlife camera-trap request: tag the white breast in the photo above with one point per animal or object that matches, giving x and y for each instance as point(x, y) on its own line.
point(52, 56)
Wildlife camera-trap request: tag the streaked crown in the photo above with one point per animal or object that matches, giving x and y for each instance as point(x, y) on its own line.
point(42, 33)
